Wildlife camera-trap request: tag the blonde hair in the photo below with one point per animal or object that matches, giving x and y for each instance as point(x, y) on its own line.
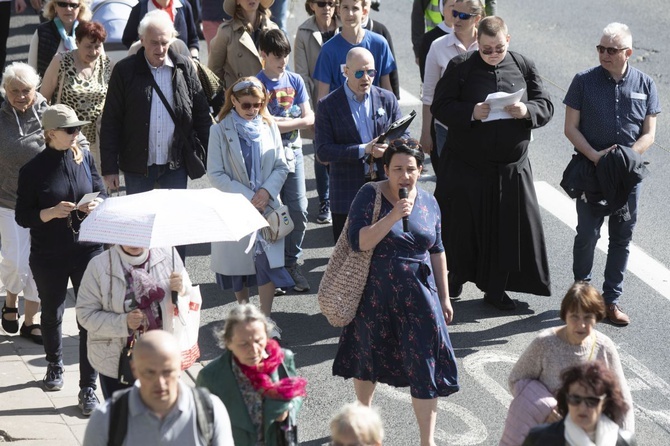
point(85, 13)
point(261, 94)
point(361, 421)
point(77, 152)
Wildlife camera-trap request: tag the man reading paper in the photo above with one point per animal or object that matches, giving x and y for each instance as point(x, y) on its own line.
point(491, 226)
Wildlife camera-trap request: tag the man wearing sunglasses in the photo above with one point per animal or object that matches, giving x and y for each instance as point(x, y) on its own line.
point(613, 104)
point(491, 224)
point(348, 123)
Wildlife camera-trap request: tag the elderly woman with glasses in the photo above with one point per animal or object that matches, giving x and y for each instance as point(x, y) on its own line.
point(256, 379)
point(399, 334)
point(592, 406)
point(21, 138)
point(57, 189)
point(58, 34)
point(79, 79)
point(246, 156)
point(492, 226)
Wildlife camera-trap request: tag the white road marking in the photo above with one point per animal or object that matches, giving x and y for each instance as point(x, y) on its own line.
point(476, 432)
point(474, 364)
point(648, 269)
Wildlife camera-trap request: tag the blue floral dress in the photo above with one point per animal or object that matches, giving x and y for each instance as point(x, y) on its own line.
point(399, 335)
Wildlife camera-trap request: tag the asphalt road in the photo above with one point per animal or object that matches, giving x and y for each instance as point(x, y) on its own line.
point(560, 38)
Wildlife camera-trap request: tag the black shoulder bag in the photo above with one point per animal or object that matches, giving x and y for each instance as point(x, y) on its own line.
point(195, 156)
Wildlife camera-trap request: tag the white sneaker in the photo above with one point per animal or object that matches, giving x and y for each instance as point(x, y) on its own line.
point(275, 333)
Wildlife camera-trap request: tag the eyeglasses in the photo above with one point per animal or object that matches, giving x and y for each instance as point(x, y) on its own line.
point(71, 130)
point(590, 401)
point(497, 50)
point(359, 74)
point(408, 142)
point(66, 5)
point(324, 4)
point(462, 15)
point(248, 105)
point(611, 51)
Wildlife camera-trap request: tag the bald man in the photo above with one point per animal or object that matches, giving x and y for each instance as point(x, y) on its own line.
point(348, 122)
point(160, 409)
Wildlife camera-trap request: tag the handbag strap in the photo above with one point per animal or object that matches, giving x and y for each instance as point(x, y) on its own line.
point(378, 203)
point(167, 107)
point(60, 84)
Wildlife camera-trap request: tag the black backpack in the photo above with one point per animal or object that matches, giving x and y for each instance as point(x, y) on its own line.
point(118, 423)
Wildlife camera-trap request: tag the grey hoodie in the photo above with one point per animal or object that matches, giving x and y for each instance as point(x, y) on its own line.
point(21, 138)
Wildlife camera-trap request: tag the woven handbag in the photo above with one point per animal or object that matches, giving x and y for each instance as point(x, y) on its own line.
point(347, 272)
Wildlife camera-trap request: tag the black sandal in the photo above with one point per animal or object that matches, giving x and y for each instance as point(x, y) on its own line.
point(27, 332)
point(7, 325)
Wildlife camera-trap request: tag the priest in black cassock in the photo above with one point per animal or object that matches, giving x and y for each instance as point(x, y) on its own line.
point(491, 225)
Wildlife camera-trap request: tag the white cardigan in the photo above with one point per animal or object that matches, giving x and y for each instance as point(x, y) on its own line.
point(100, 309)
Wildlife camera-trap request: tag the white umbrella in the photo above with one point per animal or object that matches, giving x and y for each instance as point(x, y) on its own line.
point(172, 217)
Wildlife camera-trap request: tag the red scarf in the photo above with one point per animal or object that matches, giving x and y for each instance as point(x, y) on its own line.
point(168, 8)
point(259, 376)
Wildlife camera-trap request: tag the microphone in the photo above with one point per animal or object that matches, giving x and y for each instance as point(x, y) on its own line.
point(403, 193)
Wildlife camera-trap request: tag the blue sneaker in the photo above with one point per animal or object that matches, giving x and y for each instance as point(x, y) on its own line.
point(324, 216)
point(88, 401)
point(53, 380)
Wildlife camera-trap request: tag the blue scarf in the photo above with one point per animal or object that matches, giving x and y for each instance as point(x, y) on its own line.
point(251, 133)
point(69, 42)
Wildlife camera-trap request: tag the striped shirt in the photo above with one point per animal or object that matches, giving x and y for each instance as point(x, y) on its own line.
point(161, 126)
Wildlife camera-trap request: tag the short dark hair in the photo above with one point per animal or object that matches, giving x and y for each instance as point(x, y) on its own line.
point(93, 30)
point(407, 146)
point(585, 296)
point(491, 26)
point(601, 380)
point(274, 41)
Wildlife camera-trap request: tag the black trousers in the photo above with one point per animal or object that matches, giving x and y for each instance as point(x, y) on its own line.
point(5, 13)
point(51, 278)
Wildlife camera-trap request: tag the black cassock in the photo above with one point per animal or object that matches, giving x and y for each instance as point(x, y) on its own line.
point(491, 222)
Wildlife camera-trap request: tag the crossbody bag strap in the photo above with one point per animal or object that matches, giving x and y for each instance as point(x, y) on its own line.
point(378, 203)
point(61, 81)
point(167, 106)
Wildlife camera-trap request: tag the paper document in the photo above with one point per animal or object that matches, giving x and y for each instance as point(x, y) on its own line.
point(87, 198)
point(498, 101)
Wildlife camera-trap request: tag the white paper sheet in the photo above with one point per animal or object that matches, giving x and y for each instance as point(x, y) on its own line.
point(88, 198)
point(498, 101)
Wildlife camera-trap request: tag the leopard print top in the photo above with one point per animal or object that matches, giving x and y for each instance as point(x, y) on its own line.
point(85, 96)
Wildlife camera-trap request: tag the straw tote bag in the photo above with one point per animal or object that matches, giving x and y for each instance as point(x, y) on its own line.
point(347, 272)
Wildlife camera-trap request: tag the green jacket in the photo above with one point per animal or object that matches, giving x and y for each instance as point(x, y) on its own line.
point(218, 377)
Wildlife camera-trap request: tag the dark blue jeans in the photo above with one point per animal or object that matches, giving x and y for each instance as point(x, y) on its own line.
point(51, 278)
point(163, 177)
point(588, 233)
point(157, 175)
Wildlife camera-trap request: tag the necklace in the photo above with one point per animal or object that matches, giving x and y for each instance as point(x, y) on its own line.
point(86, 71)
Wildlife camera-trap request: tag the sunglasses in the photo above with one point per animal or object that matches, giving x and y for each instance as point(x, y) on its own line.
point(324, 4)
point(490, 51)
point(611, 51)
point(408, 142)
point(359, 74)
point(71, 130)
point(66, 5)
point(590, 401)
point(248, 105)
point(462, 15)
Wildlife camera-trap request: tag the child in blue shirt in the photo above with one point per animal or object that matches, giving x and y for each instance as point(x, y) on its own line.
point(288, 102)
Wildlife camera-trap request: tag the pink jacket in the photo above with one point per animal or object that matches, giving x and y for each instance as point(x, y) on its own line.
point(531, 405)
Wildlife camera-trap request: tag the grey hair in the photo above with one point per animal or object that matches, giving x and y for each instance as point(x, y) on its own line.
point(616, 30)
point(21, 72)
point(362, 421)
point(158, 19)
point(240, 314)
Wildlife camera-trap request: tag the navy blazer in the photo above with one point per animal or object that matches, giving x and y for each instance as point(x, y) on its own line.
point(336, 142)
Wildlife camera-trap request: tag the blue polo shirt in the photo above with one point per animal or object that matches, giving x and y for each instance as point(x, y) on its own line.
point(612, 112)
point(332, 58)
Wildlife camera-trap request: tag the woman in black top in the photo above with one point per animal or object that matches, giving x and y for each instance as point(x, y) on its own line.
point(50, 186)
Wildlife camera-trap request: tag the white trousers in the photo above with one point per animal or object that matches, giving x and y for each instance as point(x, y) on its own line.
point(15, 273)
